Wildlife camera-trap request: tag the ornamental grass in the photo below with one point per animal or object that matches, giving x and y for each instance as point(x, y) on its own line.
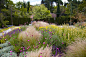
point(77, 49)
point(46, 52)
point(29, 33)
point(40, 24)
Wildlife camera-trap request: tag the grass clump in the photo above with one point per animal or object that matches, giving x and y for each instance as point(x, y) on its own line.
point(46, 52)
point(76, 49)
point(40, 24)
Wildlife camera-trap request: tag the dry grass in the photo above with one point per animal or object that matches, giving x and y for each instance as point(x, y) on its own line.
point(29, 33)
point(77, 49)
point(40, 24)
point(46, 52)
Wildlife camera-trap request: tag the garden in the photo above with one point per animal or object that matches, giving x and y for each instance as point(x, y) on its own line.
point(43, 30)
point(42, 39)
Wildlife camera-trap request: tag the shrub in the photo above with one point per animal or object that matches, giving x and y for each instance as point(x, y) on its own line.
point(77, 49)
point(46, 52)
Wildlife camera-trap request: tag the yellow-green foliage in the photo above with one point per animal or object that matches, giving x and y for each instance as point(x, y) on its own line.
point(46, 52)
point(67, 33)
point(77, 49)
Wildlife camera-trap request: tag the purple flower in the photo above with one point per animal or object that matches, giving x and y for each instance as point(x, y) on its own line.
point(62, 43)
point(10, 54)
point(28, 40)
point(26, 52)
point(11, 51)
point(39, 42)
point(43, 42)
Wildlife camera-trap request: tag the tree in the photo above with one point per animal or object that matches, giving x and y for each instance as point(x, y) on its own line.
point(58, 9)
point(41, 12)
point(28, 6)
point(19, 4)
point(82, 5)
point(2, 21)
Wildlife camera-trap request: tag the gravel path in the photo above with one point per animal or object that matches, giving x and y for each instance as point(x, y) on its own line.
point(7, 31)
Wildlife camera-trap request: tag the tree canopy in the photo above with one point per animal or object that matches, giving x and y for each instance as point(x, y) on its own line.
point(40, 12)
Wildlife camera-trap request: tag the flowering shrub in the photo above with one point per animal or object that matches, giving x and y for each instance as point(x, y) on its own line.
point(68, 34)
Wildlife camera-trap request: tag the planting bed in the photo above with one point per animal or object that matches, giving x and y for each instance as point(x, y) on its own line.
point(42, 40)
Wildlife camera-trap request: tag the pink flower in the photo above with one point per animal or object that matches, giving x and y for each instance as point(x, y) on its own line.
point(39, 42)
point(25, 56)
point(43, 42)
point(64, 34)
point(10, 54)
point(10, 51)
point(10, 35)
point(21, 47)
point(5, 39)
point(13, 38)
point(62, 43)
point(58, 48)
point(27, 48)
point(45, 38)
point(40, 52)
point(23, 53)
point(26, 52)
point(40, 56)
point(28, 40)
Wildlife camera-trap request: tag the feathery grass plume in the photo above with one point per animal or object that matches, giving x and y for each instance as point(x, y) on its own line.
point(46, 52)
point(53, 24)
point(40, 24)
point(23, 36)
point(29, 33)
point(33, 33)
point(77, 49)
point(34, 23)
